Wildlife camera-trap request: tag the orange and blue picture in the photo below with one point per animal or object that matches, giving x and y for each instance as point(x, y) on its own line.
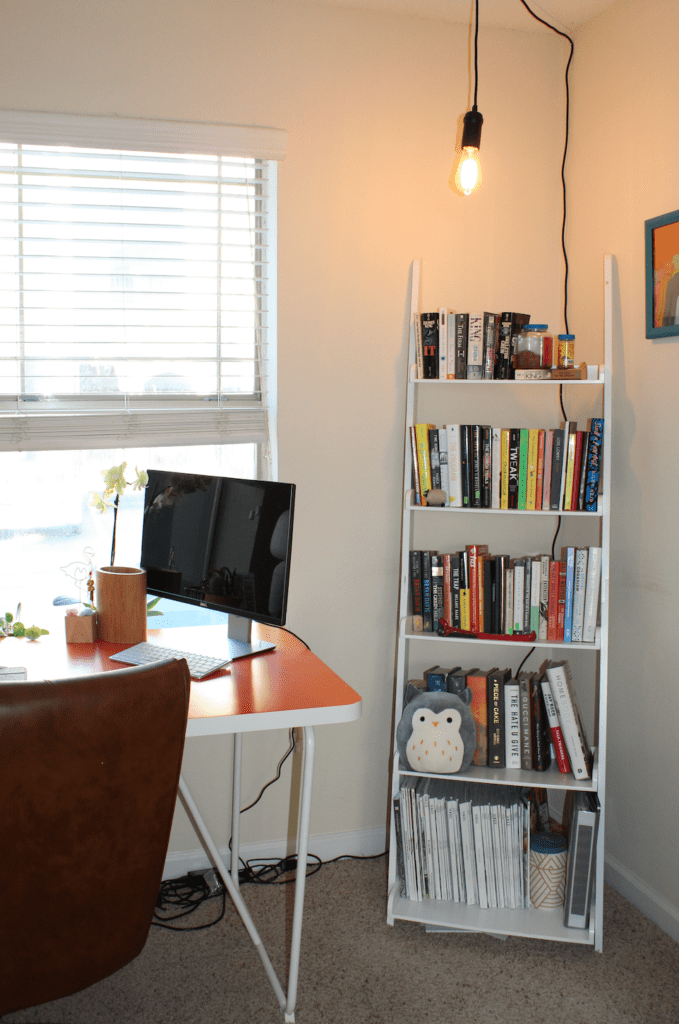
point(666, 275)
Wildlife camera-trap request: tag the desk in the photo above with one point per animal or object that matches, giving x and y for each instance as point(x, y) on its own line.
point(283, 688)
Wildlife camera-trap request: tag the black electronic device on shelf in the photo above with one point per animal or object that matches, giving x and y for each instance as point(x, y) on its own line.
point(222, 543)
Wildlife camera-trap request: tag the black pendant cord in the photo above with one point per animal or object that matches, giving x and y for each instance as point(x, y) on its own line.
point(563, 162)
point(476, 56)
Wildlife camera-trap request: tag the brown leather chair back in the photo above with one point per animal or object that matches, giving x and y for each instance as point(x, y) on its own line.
point(89, 771)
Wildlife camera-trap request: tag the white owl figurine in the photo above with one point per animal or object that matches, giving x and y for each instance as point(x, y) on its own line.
point(435, 744)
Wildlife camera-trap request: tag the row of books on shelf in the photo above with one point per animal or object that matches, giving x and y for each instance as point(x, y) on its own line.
point(523, 723)
point(477, 466)
point(470, 844)
point(476, 592)
point(467, 346)
point(489, 346)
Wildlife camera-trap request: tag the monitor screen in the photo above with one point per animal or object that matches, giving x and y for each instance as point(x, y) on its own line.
point(219, 542)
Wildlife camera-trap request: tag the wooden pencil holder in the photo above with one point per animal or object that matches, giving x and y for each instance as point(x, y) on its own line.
point(121, 604)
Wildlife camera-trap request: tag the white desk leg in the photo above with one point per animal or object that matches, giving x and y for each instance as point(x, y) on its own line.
point(300, 882)
point(235, 807)
point(233, 891)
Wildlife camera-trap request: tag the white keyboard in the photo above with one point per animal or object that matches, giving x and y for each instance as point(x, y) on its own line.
point(200, 665)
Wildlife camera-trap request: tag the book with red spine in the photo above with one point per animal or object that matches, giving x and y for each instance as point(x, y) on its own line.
point(561, 605)
point(477, 681)
point(447, 590)
point(474, 550)
point(555, 728)
point(553, 601)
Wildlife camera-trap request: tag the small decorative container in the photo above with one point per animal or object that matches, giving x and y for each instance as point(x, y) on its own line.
point(566, 351)
point(81, 629)
point(548, 852)
point(121, 604)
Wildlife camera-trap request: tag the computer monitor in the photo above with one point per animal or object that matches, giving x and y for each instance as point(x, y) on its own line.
point(221, 543)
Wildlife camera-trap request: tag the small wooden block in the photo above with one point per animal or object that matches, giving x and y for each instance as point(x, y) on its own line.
point(81, 629)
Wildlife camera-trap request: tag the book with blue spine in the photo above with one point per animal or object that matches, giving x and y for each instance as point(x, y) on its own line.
point(568, 556)
point(594, 455)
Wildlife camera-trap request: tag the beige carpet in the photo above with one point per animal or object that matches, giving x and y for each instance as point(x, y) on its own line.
point(355, 969)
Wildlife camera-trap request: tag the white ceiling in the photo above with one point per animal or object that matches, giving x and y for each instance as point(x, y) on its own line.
point(563, 14)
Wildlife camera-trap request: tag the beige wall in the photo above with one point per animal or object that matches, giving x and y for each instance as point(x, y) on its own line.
point(625, 169)
point(372, 104)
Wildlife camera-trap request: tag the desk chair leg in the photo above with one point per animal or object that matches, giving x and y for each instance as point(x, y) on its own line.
point(300, 882)
point(234, 893)
point(235, 808)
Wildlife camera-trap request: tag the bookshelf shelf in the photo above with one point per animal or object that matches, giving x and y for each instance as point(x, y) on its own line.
point(522, 533)
point(538, 924)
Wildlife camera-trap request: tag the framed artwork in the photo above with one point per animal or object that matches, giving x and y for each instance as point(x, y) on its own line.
point(662, 276)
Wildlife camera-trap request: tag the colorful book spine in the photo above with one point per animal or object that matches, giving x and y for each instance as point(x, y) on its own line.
point(416, 590)
point(496, 467)
point(477, 682)
point(430, 344)
point(504, 468)
point(594, 456)
point(532, 471)
point(544, 597)
point(568, 555)
point(461, 344)
point(454, 465)
point(423, 459)
point(417, 486)
point(523, 467)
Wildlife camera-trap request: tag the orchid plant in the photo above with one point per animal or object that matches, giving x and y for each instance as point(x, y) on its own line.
point(115, 484)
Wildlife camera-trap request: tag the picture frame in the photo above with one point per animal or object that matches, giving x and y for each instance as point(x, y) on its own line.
point(662, 275)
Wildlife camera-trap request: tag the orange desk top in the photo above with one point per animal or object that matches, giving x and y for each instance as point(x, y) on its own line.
point(288, 686)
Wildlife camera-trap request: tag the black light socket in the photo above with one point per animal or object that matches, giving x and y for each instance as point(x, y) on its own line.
point(471, 133)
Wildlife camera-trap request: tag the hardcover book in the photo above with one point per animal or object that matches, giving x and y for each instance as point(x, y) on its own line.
point(477, 681)
point(475, 347)
point(461, 345)
point(430, 345)
point(496, 716)
point(594, 456)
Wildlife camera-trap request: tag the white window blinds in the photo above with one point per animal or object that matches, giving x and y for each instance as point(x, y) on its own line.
point(136, 283)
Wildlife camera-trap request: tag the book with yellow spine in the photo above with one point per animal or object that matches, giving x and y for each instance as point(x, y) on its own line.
point(504, 469)
point(532, 469)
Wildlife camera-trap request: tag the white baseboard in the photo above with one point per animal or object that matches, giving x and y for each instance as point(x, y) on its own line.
point(363, 843)
point(655, 907)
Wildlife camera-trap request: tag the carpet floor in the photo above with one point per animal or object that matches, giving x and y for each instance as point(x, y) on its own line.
point(355, 969)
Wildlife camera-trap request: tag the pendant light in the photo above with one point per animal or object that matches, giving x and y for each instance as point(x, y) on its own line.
point(466, 177)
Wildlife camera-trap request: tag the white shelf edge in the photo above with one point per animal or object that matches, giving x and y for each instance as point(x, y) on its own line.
point(554, 644)
point(504, 383)
point(503, 511)
point(552, 778)
point(528, 923)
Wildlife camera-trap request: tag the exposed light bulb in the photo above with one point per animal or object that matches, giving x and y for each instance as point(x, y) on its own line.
point(468, 173)
point(466, 178)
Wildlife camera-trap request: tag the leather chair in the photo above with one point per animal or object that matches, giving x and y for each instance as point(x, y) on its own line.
point(89, 771)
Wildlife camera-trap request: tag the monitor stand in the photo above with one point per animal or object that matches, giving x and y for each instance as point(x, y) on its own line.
point(241, 644)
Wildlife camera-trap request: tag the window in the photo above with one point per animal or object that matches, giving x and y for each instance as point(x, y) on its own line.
point(137, 301)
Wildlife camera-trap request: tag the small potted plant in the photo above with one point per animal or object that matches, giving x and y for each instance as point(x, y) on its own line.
point(120, 590)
